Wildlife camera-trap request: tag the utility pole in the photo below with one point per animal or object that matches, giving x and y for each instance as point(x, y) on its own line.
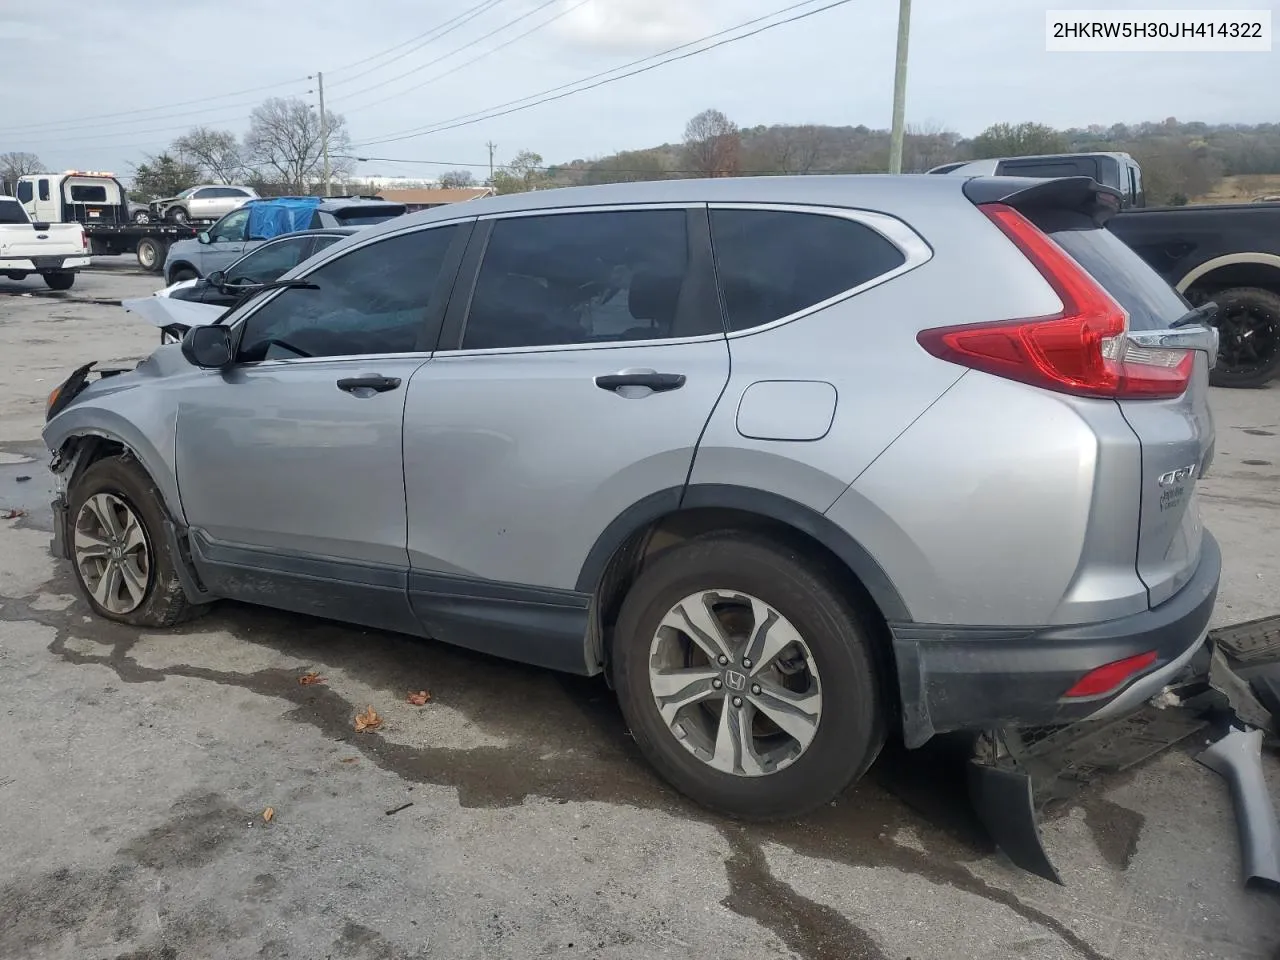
point(492, 147)
point(324, 136)
point(899, 87)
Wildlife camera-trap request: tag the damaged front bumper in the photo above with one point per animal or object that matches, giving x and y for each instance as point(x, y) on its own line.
point(1230, 688)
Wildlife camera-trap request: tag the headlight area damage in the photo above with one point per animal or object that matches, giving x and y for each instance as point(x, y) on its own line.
point(1228, 695)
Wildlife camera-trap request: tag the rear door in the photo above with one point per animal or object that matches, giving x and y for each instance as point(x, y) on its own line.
point(1176, 435)
point(572, 381)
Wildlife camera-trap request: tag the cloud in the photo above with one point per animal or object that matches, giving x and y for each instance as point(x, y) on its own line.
point(632, 25)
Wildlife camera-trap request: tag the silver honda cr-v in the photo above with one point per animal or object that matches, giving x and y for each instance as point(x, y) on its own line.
point(798, 463)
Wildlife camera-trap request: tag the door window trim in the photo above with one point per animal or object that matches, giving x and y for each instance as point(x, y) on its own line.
point(454, 256)
point(699, 239)
point(910, 244)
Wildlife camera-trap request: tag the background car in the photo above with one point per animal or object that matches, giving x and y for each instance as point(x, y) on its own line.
point(204, 202)
point(139, 212)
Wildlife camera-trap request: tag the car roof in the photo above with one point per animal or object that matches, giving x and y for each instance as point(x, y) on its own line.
point(872, 191)
point(328, 231)
point(330, 204)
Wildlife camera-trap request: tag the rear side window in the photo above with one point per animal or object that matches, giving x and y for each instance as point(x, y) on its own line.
point(44, 189)
point(577, 278)
point(774, 263)
point(1152, 304)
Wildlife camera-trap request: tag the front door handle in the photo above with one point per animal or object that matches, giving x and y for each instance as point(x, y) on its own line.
point(657, 382)
point(375, 382)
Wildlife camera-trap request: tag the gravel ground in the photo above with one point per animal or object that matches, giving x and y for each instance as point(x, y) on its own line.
point(135, 769)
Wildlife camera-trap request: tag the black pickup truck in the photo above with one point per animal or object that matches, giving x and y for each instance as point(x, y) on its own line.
point(1227, 253)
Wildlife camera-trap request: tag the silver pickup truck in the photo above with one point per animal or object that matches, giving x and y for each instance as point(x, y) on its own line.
point(53, 250)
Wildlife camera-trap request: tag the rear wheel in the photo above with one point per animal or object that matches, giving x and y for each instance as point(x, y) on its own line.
point(150, 254)
point(747, 678)
point(120, 554)
point(60, 280)
point(1248, 325)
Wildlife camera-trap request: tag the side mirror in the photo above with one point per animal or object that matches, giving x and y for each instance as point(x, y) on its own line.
point(208, 347)
point(217, 279)
point(203, 237)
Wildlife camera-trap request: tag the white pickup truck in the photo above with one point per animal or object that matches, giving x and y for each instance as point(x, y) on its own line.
point(53, 250)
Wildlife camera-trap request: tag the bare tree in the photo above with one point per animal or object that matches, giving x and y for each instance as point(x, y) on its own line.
point(457, 179)
point(712, 145)
point(216, 152)
point(18, 164)
point(926, 146)
point(285, 142)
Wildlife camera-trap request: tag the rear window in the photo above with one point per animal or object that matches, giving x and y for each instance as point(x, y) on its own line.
point(11, 212)
point(774, 263)
point(358, 219)
point(83, 193)
point(1152, 303)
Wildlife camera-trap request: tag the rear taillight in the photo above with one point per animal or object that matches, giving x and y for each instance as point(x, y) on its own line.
point(1082, 350)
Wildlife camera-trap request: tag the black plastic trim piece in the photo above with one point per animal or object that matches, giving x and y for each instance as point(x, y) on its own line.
point(769, 505)
point(974, 677)
point(535, 625)
point(1077, 194)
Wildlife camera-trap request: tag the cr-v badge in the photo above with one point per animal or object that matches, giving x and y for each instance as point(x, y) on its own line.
point(1177, 476)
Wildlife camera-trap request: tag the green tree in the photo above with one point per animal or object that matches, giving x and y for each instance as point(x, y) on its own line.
point(525, 172)
point(163, 176)
point(628, 166)
point(1017, 140)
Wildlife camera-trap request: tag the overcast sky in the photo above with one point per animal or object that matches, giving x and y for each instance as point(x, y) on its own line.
point(68, 69)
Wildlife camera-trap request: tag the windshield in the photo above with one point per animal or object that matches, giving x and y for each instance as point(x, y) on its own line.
point(186, 193)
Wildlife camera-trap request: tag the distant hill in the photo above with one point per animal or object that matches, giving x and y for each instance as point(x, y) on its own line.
point(1180, 160)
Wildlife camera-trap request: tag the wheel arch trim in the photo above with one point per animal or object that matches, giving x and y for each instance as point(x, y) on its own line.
point(1229, 260)
point(768, 505)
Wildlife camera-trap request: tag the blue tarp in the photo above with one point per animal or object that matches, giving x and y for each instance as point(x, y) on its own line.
point(276, 215)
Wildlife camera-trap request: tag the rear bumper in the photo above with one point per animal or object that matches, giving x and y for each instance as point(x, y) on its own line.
point(33, 264)
point(972, 678)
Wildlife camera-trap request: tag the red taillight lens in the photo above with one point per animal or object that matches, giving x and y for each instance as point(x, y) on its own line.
point(1110, 676)
point(1081, 350)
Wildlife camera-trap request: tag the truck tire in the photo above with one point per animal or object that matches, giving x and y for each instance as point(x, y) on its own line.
point(767, 702)
point(60, 279)
point(151, 254)
point(1248, 325)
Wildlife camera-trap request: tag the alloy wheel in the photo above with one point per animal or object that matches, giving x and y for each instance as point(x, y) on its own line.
point(112, 554)
point(735, 683)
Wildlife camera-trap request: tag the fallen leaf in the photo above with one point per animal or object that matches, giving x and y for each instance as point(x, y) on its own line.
point(348, 759)
point(310, 677)
point(267, 814)
point(368, 720)
point(419, 698)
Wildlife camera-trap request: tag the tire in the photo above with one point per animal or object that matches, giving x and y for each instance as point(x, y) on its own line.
point(116, 480)
point(176, 215)
point(850, 726)
point(60, 280)
point(1248, 337)
point(142, 216)
point(182, 273)
point(151, 254)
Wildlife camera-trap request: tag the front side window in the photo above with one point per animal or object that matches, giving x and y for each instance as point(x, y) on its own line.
point(372, 300)
point(269, 261)
point(208, 193)
point(24, 191)
point(234, 227)
point(773, 263)
point(575, 278)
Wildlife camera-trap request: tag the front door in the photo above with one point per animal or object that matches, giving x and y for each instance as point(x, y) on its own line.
point(575, 384)
point(289, 462)
point(226, 242)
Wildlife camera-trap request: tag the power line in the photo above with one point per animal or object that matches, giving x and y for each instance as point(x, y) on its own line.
point(167, 106)
point(544, 96)
point(436, 33)
point(585, 167)
point(487, 53)
point(431, 63)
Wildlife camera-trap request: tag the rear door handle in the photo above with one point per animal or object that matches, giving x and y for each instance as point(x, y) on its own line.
point(657, 382)
point(376, 383)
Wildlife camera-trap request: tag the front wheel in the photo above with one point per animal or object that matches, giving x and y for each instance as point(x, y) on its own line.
point(746, 677)
point(182, 273)
point(176, 215)
point(120, 554)
point(60, 280)
point(142, 216)
point(1248, 323)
